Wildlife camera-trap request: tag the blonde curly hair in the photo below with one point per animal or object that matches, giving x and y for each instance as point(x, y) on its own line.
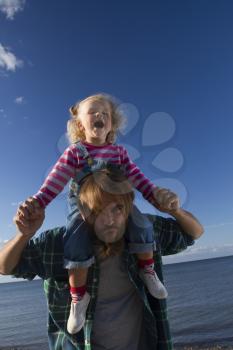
point(75, 133)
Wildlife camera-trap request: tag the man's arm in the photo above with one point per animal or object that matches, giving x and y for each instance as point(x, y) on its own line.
point(11, 252)
point(188, 223)
point(168, 202)
point(28, 220)
point(174, 234)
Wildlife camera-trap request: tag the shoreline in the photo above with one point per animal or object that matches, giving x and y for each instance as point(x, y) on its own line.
point(43, 346)
point(203, 347)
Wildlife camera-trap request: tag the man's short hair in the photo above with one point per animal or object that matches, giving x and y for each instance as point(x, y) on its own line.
point(102, 187)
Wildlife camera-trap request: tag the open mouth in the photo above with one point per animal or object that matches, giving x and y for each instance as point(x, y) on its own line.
point(98, 124)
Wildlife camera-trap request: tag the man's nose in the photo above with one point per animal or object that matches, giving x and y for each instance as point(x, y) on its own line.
point(109, 218)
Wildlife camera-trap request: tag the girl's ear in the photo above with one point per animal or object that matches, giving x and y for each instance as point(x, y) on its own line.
point(111, 136)
point(80, 126)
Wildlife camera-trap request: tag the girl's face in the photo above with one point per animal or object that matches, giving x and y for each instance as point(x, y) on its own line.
point(96, 120)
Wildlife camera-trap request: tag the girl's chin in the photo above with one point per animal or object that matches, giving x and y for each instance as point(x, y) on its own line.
point(100, 133)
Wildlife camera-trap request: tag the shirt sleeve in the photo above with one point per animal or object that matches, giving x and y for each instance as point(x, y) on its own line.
point(170, 237)
point(31, 261)
point(43, 256)
point(136, 176)
point(62, 172)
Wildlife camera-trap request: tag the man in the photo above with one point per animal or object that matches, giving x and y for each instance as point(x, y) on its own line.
point(121, 314)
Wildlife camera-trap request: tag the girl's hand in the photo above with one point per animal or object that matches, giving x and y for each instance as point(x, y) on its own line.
point(165, 200)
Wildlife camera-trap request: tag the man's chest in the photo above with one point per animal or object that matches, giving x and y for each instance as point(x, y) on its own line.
point(119, 309)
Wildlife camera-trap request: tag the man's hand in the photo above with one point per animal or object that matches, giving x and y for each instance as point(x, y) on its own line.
point(165, 200)
point(29, 217)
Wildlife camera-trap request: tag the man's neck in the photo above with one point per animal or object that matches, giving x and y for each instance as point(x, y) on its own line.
point(105, 250)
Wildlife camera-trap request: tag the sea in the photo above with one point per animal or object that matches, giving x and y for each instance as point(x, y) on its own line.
point(200, 307)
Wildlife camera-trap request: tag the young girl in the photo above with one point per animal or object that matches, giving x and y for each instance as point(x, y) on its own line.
point(92, 130)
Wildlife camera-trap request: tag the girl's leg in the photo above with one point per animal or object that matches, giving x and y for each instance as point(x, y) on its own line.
point(141, 242)
point(77, 282)
point(145, 256)
point(78, 251)
point(78, 256)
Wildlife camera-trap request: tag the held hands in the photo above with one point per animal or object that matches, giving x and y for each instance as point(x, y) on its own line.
point(165, 200)
point(29, 217)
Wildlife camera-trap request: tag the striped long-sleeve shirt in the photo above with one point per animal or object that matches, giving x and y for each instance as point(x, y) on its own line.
point(72, 161)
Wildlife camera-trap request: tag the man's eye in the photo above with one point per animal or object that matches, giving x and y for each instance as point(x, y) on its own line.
point(120, 207)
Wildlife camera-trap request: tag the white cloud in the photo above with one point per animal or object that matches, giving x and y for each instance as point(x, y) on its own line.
point(8, 60)
point(199, 253)
point(19, 100)
point(11, 7)
point(14, 204)
point(3, 241)
point(220, 224)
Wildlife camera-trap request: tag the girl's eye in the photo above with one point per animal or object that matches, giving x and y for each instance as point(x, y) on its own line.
point(105, 114)
point(91, 111)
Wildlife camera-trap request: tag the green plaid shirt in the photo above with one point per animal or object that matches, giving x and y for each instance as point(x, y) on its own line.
point(43, 256)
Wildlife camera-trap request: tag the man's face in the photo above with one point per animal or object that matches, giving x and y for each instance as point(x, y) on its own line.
point(110, 223)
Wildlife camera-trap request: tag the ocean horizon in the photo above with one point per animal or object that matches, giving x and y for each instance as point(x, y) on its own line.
point(167, 260)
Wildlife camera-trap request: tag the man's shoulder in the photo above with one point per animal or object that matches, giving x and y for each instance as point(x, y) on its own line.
point(55, 233)
point(50, 242)
point(163, 224)
point(157, 219)
point(43, 255)
point(169, 234)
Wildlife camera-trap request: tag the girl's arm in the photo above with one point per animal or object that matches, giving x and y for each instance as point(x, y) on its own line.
point(62, 172)
point(136, 177)
point(149, 191)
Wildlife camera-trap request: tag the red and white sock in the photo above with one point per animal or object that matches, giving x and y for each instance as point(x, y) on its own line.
point(147, 265)
point(77, 293)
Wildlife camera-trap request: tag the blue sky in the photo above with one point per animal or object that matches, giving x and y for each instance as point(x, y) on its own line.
point(170, 65)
